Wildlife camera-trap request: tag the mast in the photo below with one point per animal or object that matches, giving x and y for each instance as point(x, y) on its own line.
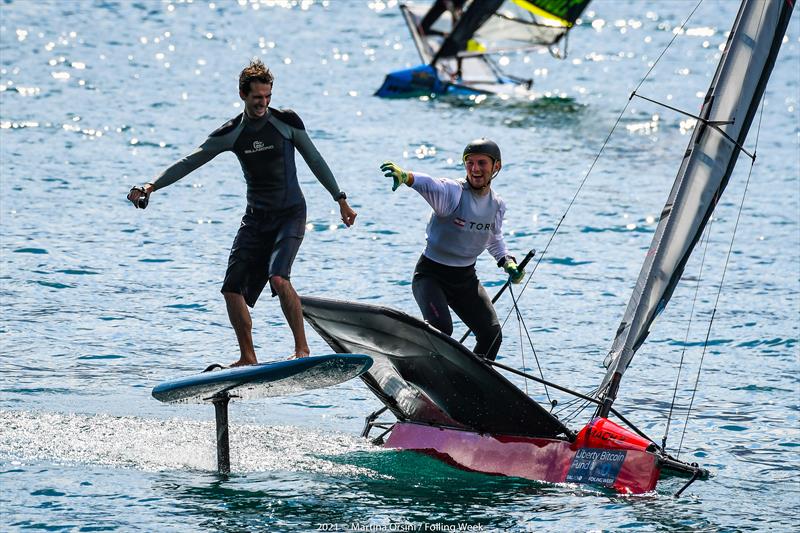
point(729, 107)
point(473, 18)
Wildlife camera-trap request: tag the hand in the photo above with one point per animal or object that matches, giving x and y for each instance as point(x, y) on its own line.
point(400, 176)
point(348, 215)
point(140, 196)
point(515, 274)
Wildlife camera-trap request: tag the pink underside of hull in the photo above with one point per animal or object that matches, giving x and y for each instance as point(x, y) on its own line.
point(530, 458)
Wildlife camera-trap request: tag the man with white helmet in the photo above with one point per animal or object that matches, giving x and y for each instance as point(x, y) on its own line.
point(467, 219)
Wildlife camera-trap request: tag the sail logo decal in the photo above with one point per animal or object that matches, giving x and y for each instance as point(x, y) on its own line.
point(596, 465)
point(258, 146)
point(473, 226)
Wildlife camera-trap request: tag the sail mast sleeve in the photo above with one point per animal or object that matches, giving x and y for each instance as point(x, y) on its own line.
point(732, 100)
point(473, 18)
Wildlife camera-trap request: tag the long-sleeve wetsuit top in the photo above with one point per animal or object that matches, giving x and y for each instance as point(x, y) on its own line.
point(463, 224)
point(265, 148)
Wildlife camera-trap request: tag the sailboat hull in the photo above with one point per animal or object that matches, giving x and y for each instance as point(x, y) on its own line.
point(629, 471)
point(425, 80)
point(469, 76)
point(422, 80)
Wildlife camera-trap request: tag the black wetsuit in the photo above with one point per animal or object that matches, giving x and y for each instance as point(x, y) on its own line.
point(463, 224)
point(274, 222)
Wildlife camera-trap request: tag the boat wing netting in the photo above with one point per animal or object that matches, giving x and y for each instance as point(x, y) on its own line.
point(425, 376)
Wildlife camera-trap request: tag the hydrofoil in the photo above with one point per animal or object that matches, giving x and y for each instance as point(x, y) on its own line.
point(264, 380)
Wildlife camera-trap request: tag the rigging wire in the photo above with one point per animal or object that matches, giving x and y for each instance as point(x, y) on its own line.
point(581, 408)
point(582, 405)
point(522, 350)
point(707, 238)
point(715, 124)
point(523, 326)
point(515, 308)
point(721, 282)
point(727, 257)
point(597, 157)
point(571, 403)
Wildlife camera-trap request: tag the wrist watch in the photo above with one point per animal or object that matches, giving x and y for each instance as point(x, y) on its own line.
point(340, 196)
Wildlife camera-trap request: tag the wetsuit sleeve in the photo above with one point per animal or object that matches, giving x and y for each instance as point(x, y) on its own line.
point(211, 148)
point(315, 161)
point(497, 245)
point(442, 194)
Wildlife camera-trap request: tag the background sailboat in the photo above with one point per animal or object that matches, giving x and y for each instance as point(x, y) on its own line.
point(458, 58)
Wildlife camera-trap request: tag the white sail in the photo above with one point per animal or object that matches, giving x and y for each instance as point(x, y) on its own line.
point(731, 102)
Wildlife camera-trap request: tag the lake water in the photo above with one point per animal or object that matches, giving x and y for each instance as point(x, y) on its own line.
point(100, 302)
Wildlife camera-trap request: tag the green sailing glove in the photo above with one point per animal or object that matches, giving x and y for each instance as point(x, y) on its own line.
point(398, 175)
point(515, 274)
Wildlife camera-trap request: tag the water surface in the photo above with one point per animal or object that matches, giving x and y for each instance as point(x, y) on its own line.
point(100, 302)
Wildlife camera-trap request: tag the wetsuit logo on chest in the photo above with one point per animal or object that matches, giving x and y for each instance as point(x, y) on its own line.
point(259, 146)
point(472, 226)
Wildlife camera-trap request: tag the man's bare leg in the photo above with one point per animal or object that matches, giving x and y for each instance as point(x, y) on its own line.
point(242, 324)
point(290, 304)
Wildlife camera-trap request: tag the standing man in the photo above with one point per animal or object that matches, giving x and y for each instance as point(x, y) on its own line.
point(264, 139)
point(467, 219)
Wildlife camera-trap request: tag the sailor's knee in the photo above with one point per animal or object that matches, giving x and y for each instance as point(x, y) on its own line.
point(279, 284)
point(496, 333)
point(490, 335)
point(489, 330)
point(232, 297)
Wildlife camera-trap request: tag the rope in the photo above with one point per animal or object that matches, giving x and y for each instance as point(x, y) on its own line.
point(727, 260)
point(581, 407)
point(719, 292)
point(596, 158)
point(522, 347)
point(707, 238)
point(524, 327)
point(515, 308)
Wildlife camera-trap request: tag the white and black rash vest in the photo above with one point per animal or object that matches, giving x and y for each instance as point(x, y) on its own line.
point(265, 149)
point(463, 223)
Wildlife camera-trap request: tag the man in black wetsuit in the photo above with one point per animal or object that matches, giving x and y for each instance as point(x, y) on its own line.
point(264, 139)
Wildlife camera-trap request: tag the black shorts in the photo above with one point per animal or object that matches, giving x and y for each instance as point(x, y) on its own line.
point(437, 287)
point(265, 246)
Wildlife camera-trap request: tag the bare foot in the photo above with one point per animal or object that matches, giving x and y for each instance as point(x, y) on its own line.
point(300, 355)
point(243, 362)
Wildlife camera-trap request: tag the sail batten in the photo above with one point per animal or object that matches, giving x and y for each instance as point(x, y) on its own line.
point(730, 104)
